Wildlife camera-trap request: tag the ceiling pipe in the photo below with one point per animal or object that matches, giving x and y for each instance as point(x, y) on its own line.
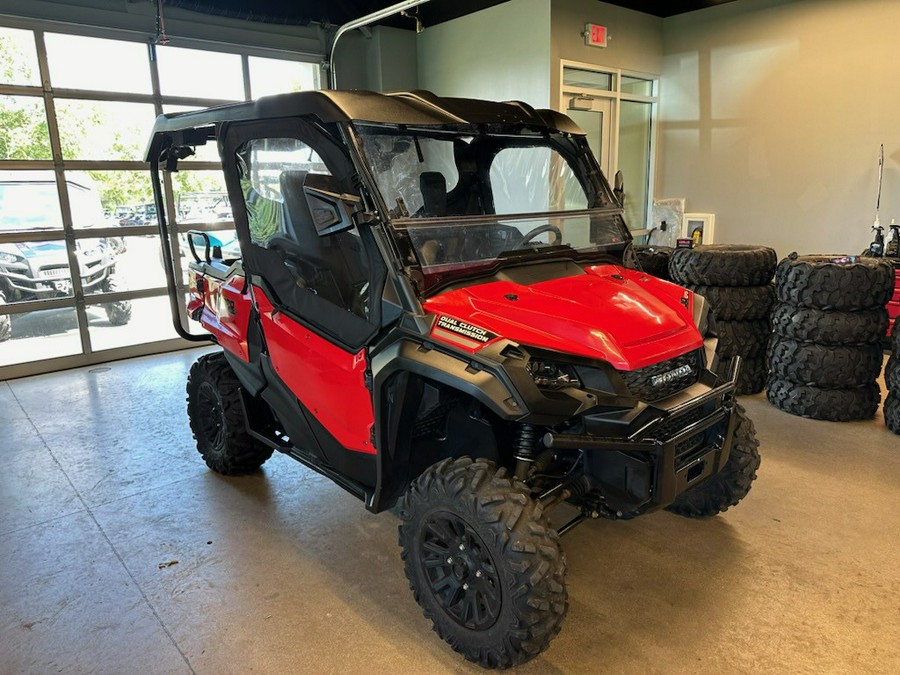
point(365, 21)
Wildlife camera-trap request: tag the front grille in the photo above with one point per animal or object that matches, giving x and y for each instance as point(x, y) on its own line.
point(641, 382)
point(55, 272)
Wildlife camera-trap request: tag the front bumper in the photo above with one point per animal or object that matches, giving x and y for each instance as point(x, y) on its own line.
point(671, 447)
point(47, 282)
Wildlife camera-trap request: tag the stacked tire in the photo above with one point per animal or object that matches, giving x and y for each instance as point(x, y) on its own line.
point(736, 280)
point(825, 355)
point(654, 260)
point(892, 380)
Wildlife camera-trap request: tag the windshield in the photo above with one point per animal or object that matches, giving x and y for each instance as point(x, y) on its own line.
point(466, 199)
point(35, 206)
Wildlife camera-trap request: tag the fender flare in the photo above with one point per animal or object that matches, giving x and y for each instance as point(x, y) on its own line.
point(408, 357)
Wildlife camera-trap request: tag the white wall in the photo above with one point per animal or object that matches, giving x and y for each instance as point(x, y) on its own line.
point(772, 114)
point(500, 53)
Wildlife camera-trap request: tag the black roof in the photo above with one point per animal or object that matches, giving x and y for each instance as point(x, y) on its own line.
point(418, 108)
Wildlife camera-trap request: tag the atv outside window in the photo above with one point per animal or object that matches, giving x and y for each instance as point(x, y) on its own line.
point(467, 199)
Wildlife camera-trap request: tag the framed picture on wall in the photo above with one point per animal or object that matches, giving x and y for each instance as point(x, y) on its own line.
point(699, 227)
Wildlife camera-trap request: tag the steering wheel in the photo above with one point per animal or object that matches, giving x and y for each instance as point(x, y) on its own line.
point(540, 229)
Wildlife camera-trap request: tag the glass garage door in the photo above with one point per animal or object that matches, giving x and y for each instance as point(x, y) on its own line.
point(81, 279)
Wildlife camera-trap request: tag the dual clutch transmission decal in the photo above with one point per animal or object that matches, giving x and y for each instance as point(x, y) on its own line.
point(467, 330)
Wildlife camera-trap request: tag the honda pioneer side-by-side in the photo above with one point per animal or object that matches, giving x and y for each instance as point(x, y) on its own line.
point(436, 305)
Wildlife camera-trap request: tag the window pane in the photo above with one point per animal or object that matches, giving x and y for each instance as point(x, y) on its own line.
point(267, 166)
point(637, 85)
point(200, 74)
point(37, 270)
point(111, 198)
point(589, 79)
point(534, 180)
point(200, 197)
point(78, 62)
point(276, 76)
point(104, 129)
point(23, 132)
point(45, 334)
point(634, 160)
point(29, 200)
point(18, 58)
point(130, 322)
point(136, 264)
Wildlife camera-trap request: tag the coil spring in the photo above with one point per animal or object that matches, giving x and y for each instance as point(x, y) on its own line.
point(526, 442)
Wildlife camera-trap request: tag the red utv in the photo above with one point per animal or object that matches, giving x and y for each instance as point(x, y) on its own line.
point(437, 306)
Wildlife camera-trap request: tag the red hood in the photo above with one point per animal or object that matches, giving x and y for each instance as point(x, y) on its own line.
point(621, 316)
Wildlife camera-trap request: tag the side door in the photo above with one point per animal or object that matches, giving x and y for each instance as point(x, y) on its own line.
point(317, 296)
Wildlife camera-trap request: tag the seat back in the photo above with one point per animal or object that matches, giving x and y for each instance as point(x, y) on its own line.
point(433, 186)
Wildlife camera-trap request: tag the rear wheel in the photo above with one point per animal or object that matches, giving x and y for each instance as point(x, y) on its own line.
point(732, 483)
point(217, 418)
point(483, 562)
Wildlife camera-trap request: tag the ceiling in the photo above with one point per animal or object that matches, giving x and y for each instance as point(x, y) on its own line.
point(302, 12)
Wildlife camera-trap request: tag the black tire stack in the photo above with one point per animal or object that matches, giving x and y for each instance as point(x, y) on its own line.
point(892, 381)
point(825, 355)
point(654, 260)
point(736, 280)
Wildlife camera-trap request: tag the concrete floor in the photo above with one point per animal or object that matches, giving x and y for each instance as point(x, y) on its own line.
point(121, 553)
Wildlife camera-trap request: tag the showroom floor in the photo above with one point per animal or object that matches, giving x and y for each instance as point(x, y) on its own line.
point(120, 552)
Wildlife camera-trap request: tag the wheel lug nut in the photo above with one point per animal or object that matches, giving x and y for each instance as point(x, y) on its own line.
point(449, 561)
point(465, 587)
point(478, 573)
point(462, 547)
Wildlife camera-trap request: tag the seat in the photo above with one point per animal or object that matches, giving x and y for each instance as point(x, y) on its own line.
point(340, 266)
point(433, 186)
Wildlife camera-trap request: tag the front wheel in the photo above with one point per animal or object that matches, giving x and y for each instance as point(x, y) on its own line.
point(118, 313)
point(483, 562)
point(217, 418)
point(732, 483)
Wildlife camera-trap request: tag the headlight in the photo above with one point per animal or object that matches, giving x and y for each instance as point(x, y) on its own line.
point(548, 375)
point(8, 258)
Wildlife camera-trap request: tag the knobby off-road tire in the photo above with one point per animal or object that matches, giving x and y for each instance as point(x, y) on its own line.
point(723, 265)
point(654, 260)
point(892, 374)
point(817, 282)
point(5, 322)
point(835, 405)
point(892, 412)
point(483, 562)
point(118, 313)
point(217, 418)
point(753, 375)
point(747, 339)
point(738, 303)
point(828, 366)
point(726, 488)
point(829, 327)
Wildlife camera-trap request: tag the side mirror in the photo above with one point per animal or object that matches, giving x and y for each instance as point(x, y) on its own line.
point(330, 208)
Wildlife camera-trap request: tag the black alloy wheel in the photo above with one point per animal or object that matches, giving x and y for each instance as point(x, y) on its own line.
point(460, 570)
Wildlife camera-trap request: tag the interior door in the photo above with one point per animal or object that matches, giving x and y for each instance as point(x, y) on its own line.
point(595, 116)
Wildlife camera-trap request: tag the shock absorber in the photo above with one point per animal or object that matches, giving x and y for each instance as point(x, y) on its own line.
point(525, 450)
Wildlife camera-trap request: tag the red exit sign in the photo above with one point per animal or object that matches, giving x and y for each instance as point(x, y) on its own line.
point(594, 35)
